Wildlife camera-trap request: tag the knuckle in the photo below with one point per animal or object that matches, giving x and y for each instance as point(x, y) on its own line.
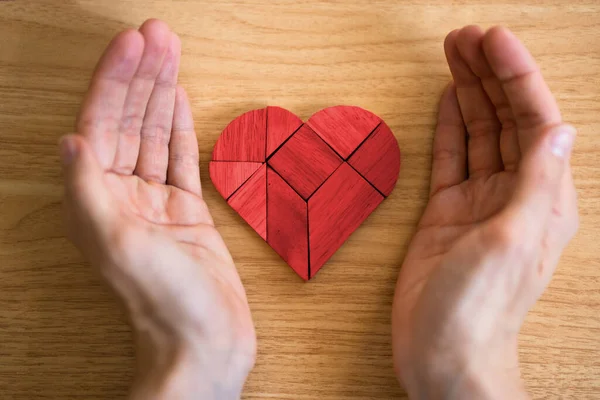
point(482, 127)
point(124, 168)
point(507, 238)
point(505, 115)
point(530, 118)
point(154, 176)
point(131, 124)
point(93, 123)
point(185, 159)
point(156, 133)
point(444, 154)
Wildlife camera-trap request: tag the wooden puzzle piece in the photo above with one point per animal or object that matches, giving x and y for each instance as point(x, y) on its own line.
point(336, 209)
point(244, 139)
point(378, 159)
point(305, 161)
point(344, 128)
point(291, 184)
point(250, 201)
point(280, 125)
point(228, 176)
point(287, 222)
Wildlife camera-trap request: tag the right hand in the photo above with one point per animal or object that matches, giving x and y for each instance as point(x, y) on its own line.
point(502, 209)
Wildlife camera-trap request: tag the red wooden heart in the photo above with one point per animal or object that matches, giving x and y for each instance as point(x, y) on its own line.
point(305, 187)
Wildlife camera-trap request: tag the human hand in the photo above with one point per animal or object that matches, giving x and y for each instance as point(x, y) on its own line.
point(134, 207)
point(501, 210)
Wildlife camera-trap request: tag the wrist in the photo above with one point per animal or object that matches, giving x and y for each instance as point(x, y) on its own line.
point(476, 384)
point(170, 365)
point(487, 386)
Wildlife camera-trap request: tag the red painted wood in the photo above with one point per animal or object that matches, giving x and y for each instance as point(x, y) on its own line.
point(378, 159)
point(280, 125)
point(250, 201)
point(344, 128)
point(305, 200)
point(335, 211)
point(287, 223)
point(244, 139)
point(228, 176)
point(305, 161)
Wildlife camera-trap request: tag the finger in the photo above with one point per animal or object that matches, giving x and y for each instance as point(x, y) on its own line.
point(449, 165)
point(183, 170)
point(156, 41)
point(478, 114)
point(470, 47)
point(532, 103)
point(539, 181)
point(564, 223)
point(156, 128)
point(102, 107)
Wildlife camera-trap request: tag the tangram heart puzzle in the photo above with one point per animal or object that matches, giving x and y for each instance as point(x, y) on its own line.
point(305, 187)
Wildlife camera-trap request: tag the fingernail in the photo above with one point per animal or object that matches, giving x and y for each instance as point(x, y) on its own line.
point(562, 140)
point(68, 149)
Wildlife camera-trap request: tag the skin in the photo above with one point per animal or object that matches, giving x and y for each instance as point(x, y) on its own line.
point(501, 210)
point(134, 207)
point(484, 251)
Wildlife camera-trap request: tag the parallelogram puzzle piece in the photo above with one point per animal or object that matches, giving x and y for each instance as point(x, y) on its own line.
point(228, 176)
point(336, 210)
point(244, 139)
point(280, 125)
point(250, 201)
point(344, 128)
point(287, 222)
point(378, 159)
point(305, 161)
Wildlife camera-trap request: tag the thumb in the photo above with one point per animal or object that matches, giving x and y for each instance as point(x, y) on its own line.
point(539, 179)
point(86, 195)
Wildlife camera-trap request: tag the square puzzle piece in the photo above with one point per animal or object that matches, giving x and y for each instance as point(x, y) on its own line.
point(305, 161)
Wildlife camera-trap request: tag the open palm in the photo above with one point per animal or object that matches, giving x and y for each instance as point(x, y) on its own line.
point(134, 200)
point(496, 111)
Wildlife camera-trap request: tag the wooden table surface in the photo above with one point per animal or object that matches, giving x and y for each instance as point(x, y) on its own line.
point(62, 334)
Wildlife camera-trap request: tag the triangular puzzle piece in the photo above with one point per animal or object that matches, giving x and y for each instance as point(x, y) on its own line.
point(378, 159)
point(336, 210)
point(344, 128)
point(250, 201)
point(280, 125)
point(305, 161)
point(228, 176)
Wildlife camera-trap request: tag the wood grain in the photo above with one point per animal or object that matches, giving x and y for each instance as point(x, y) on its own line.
point(250, 201)
point(280, 125)
point(305, 161)
point(63, 336)
point(336, 210)
point(355, 122)
point(228, 176)
point(287, 220)
point(378, 159)
point(244, 139)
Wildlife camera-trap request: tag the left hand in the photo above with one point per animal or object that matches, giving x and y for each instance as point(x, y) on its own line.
point(134, 207)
